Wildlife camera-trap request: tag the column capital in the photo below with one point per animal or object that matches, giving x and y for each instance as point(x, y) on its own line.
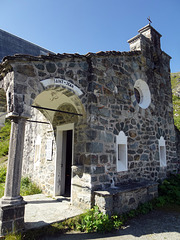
point(16, 115)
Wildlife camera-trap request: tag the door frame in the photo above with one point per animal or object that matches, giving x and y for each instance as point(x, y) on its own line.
point(60, 164)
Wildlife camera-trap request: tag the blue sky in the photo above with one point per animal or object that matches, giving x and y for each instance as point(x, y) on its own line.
point(92, 25)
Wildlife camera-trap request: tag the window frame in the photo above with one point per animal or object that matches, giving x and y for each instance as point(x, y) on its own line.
point(121, 160)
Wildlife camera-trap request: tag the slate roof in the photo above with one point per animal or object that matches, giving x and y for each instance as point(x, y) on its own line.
point(11, 45)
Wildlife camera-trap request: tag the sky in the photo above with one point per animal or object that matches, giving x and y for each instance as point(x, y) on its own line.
point(82, 26)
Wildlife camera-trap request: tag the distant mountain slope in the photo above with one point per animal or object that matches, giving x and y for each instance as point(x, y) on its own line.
point(175, 83)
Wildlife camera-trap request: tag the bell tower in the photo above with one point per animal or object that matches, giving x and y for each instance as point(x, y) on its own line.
point(147, 35)
point(148, 42)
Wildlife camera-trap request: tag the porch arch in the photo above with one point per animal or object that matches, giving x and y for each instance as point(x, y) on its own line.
point(59, 107)
point(59, 98)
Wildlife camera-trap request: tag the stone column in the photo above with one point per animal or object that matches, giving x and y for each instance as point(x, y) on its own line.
point(12, 204)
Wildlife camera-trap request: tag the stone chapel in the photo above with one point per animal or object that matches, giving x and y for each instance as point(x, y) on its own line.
point(97, 128)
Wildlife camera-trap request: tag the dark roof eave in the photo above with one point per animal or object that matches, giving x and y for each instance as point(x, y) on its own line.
point(23, 57)
point(113, 53)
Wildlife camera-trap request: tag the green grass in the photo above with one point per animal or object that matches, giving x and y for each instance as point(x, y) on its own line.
point(4, 138)
point(2, 174)
point(27, 186)
point(13, 236)
point(2, 185)
point(176, 110)
point(3, 160)
point(2, 179)
point(175, 82)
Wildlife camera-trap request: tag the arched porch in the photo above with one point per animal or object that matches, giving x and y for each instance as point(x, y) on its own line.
point(27, 89)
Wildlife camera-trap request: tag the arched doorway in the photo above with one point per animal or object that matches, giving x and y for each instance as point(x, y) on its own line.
point(57, 114)
point(64, 123)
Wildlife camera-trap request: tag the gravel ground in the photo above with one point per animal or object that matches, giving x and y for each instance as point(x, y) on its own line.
point(161, 224)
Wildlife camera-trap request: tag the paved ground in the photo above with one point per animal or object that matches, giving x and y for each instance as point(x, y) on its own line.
point(41, 210)
point(157, 225)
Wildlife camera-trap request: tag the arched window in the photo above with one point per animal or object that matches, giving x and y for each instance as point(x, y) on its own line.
point(121, 152)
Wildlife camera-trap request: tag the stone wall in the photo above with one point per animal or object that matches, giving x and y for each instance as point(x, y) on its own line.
point(111, 108)
point(35, 164)
point(126, 197)
point(106, 106)
point(112, 112)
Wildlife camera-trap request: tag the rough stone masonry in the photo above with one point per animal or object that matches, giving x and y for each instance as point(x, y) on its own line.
point(93, 123)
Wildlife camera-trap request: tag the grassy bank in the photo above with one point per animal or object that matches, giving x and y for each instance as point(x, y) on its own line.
point(175, 83)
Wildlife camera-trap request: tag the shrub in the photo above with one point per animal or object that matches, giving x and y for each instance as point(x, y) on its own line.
point(28, 187)
point(169, 190)
point(94, 221)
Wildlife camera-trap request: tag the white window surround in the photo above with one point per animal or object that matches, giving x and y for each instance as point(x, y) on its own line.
point(144, 92)
point(162, 152)
point(121, 152)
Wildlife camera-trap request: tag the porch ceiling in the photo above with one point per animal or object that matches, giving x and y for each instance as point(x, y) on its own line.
point(53, 98)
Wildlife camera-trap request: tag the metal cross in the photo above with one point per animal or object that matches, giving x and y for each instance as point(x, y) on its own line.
point(149, 20)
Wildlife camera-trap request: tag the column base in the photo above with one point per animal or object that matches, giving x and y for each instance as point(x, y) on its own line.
point(12, 200)
point(11, 215)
